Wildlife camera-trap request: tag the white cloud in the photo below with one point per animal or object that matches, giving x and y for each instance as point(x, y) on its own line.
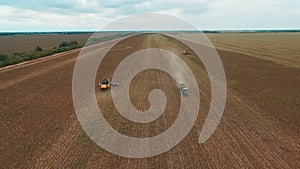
point(254, 14)
point(93, 14)
point(28, 20)
point(143, 5)
point(83, 2)
point(172, 12)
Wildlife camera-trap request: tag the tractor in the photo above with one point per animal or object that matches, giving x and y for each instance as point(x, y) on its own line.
point(106, 84)
point(186, 52)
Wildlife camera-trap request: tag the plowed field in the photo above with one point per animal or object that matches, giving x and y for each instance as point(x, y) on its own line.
point(259, 129)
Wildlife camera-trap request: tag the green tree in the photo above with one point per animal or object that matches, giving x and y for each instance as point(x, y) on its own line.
point(63, 44)
point(3, 57)
point(73, 43)
point(38, 49)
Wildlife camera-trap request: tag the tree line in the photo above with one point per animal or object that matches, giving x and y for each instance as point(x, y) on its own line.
point(18, 57)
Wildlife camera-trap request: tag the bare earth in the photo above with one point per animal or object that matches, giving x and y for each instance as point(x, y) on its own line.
point(259, 128)
point(26, 43)
point(281, 48)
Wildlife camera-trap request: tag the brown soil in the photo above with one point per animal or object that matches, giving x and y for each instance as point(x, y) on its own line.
point(259, 128)
point(25, 43)
point(281, 48)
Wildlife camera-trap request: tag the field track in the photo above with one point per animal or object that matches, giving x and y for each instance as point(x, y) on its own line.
point(259, 128)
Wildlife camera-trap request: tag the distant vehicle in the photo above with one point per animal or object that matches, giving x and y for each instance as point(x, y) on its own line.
point(186, 52)
point(183, 90)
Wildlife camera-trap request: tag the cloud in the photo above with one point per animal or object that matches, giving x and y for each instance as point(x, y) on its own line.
point(254, 14)
point(14, 19)
point(123, 7)
point(150, 21)
point(35, 15)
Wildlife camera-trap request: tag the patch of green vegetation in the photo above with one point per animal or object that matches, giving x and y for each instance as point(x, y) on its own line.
point(3, 57)
point(93, 41)
point(18, 57)
point(38, 49)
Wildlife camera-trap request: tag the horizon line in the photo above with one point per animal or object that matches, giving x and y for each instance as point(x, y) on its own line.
point(103, 31)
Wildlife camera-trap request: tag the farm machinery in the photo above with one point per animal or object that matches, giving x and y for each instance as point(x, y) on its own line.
point(106, 84)
point(186, 52)
point(183, 90)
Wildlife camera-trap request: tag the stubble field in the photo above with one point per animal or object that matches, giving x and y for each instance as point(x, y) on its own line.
point(259, 128)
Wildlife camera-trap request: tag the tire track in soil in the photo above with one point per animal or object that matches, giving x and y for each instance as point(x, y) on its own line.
point(247, 136)
point(150, 160)
point(37, 95)
point(265, 147)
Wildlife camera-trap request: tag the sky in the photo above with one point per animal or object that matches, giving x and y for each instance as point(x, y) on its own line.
point(91, 15)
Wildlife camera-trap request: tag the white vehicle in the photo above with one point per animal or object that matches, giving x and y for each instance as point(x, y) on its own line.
point(183, 90)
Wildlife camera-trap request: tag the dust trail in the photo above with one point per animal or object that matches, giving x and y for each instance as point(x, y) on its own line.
point(179, 72)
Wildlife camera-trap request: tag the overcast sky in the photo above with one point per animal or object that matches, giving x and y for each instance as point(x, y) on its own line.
point(76, 15)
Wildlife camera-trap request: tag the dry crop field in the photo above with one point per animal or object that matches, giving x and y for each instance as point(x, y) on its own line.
point(259, 128)
point(282, 48)
point(26, 43)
